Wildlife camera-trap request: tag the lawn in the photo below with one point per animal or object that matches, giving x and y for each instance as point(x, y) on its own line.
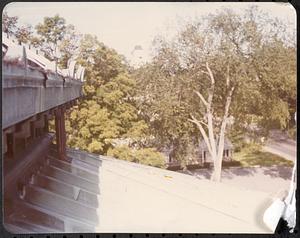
point(254, 155)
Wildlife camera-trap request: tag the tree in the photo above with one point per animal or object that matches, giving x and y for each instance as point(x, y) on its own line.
point(68, 46)
point(51, 32)
point(58, 40)
point(226, 63)
point(164, 104)
point(236, 57)
point(24, 34)
point(11, 28)
point(107, 115)
point(9, 24)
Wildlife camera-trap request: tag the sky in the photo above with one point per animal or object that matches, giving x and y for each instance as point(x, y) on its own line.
point(122, 26)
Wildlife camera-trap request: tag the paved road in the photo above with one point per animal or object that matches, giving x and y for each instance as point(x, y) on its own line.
point(284, 148)
point(281, 145)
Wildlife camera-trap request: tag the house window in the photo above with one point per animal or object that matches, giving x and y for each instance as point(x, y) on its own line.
point(226, 153)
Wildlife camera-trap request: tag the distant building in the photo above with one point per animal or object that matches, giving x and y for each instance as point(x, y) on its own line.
point(206, 157)
point(202, 158)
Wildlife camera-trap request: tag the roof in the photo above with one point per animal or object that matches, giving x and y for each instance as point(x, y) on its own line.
point(98, 193)
point(227, 145)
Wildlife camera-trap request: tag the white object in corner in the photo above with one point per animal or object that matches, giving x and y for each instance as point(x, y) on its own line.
point(273, 214)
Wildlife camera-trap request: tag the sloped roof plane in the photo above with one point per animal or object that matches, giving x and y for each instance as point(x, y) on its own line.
point(92, 193)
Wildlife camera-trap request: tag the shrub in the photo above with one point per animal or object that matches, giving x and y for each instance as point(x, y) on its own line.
point(252, 147)
point(146, 156)
point(232, 163)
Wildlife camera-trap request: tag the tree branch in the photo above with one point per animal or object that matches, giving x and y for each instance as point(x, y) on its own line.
point(195, 120)
point(211, 89)
point(201, 97)
point(227, 77)
point(203, 133)
point(203, 123)
point(224, 122)
point(210, 74)
point(209, 112)
point(202, 71)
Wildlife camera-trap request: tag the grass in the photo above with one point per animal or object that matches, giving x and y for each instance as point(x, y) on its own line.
point(253, 155)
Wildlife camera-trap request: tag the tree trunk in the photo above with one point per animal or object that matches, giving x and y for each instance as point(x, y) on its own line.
point(218, 159)
point(216, 176)
point(215, 149)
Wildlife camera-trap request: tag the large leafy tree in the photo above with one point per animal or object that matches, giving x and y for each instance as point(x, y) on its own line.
point(68, 46)
point(51, 33)
point(57, 39)
point(164, 103)
point(229, 66)
point(9, 23)
point(24, 34)
point(107, 116)
point(11, 28)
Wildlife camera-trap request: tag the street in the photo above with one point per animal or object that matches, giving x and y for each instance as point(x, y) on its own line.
point(281, 145)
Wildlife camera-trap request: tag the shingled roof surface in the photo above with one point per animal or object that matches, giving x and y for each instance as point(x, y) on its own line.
point(93, 193)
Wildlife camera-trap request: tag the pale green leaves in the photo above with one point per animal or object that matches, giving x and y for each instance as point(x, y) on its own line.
point(147, 156)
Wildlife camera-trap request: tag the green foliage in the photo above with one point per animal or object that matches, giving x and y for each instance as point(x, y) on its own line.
point(149, 107)
point(146, 156)
point(253, 155)
point(95, 146)
point(24, 34)
point(10, 27)
point(107, 113)
point(252, 147)
point(122, 152)
point(50, 34)
point(165, 104)
point(237, 138)
point(150, 156)
point(52, 29)
point(247, 51)
point(138, 133)
point(68, 45)
point(276, 66)
point(91, 127)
